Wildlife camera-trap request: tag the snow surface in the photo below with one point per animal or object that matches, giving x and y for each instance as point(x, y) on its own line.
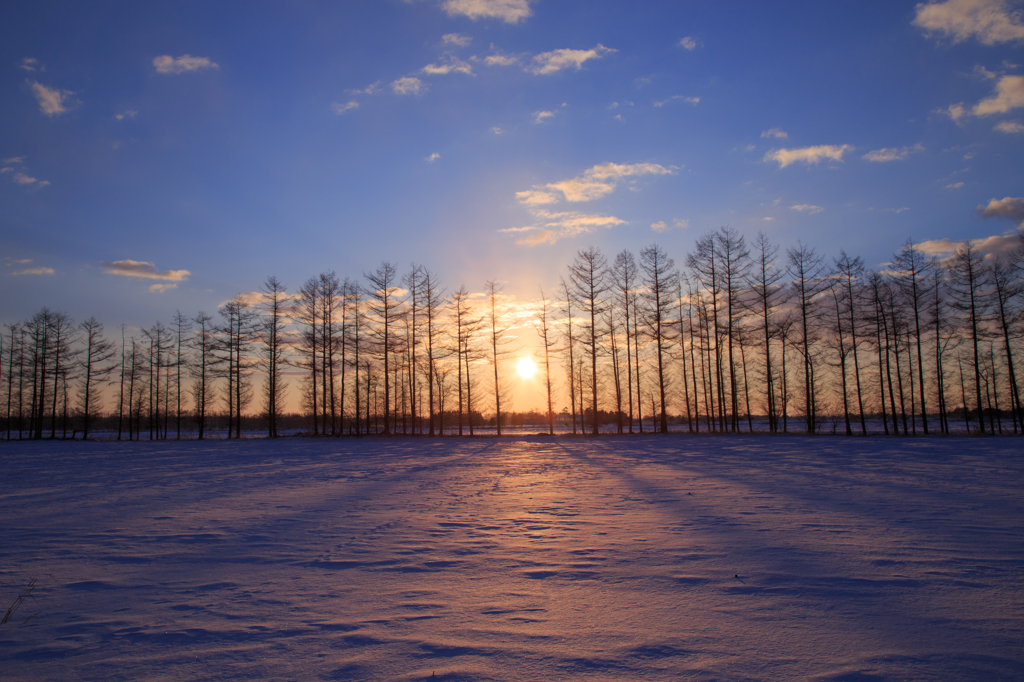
point(639, 558)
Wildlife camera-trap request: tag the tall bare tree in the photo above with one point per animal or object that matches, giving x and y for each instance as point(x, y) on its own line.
point(274, 304)
point(967, 277)
point(98, 352)
point(588, 275)
point(805, 267)
point(657, 269)
point(499, 340)
point(385, 306)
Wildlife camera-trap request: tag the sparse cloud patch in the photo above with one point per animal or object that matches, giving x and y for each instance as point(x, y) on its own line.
point(371, 89)
point(552, 62)
point(808, 155)
point(677, 224)
point(886, 154)
point(165, 63)
point(532, 197)
point(689, 43)
point(989, 21)
point(31, 64)
point(456, 39)
point(954, 185)
point(34, 270)
point(52, 102)
point(501, 60)
point(552, 227)
point(509, 11)
point(1009, 127)
point(20, 178)
point(690, 100)
point(340, 108)
point(433, 157)
point(408, 86)
point(774, 132)
point(1008, 95)
point(807, 208)
point(1007, 207)
point(602, 179)
point(128, 113)
point(541, 116)
point(449, 64)
point(144, 270)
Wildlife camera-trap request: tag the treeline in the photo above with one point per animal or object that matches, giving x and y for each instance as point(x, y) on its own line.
point(739, 334)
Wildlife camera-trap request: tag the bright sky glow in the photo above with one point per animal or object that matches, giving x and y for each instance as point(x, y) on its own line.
point(526, 368)
point(167, 157)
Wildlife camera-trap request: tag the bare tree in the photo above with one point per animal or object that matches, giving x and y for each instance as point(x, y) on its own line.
point(204, 342)
point(967, 277)
point(275, 299)
point(735, 267)
point(805, 268)
point(913, 279)
point(767, 295)
point(499, 345)
point(550, 346)
point(1006, 288)
point(657, 269)
point(385, 305)
point(588, 279)
point(624, 275)
point(570, 345)
point(97, 353)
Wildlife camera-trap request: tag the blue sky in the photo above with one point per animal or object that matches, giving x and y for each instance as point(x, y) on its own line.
point(169, 156)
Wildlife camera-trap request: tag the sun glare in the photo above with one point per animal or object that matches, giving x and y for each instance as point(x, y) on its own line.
point(526, 368)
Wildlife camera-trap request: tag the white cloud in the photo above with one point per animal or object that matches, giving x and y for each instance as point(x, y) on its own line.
point(31, 64)
point(340, 108)
point(955, 185)
point(501, 60)
point(128, 113)
point(808, 155)
point(1010, 127)
point(1000, 243)
point(456, 39)
point(52, 101)
point(138, 268)
point(807, 208)
point(497, 130)
point(691, 100)
point(433, 157)
point(892, 153)
point(161, 288)
point(688, 43)
point(371, 89)
point(167, 64)
point(677, 224)
point(541, 116)
point(451, 64)
point(552, 227)
point(955, 112)
point(15, 159)
point(34, 271)
point(533, 197)
point(509, 11)
point(556, 60)
point(22, 179)
point(990, 21)
point(774, 132)
point(601, 180)
point(1009, 95)
point(408, 86)
point(1007, 207)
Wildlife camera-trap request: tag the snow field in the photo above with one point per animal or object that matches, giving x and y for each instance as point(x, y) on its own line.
point(639, 558)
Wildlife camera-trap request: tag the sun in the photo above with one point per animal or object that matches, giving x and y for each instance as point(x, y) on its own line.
point(526, 368)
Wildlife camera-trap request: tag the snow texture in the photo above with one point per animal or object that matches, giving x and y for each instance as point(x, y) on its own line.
point(641, 558)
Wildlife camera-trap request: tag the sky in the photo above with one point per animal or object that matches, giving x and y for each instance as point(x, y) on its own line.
point(168, 156)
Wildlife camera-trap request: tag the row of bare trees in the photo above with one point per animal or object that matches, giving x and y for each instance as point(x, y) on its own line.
point(740, 334)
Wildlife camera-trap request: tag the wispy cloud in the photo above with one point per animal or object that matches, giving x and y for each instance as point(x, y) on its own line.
point(808, 155)
point(15, 159)
point(1010, 127)
point(449, 64)
point(989, 21)
point(497, 130)
point(996, 244)
point(408, 86)
point(20, 178)
point(690, 100)
point(509, 11)
point(165, 63)
point(551, 227)
point(52, 101)
point(595, 182)
point(371, 89)
point(1008, 95)
point(557, 60)
point(689, 43)
point(128, 113)
point(501, 59)
point(807, 208)
point(433, 157)
point(340, 108)
point(456, 39)
point(34, 270)
point(774, 132)
point(886, 154)
point(31, 64)
point(145, 270)
point(954, 185)
point(1007, 207)
point(541, 116)
point(532, 197)
point(677, 224)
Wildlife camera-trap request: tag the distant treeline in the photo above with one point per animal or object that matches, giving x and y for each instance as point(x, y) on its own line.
point(738, 333)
